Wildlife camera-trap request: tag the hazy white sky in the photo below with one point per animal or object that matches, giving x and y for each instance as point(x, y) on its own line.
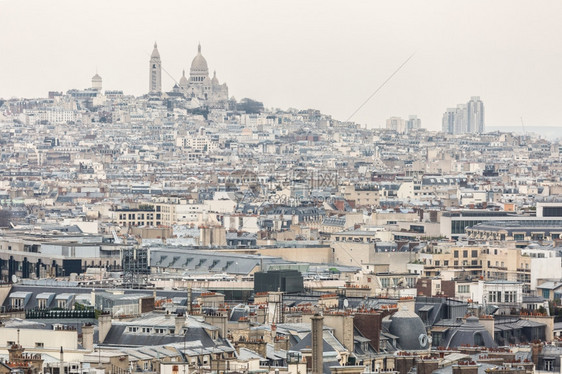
point(328, 55)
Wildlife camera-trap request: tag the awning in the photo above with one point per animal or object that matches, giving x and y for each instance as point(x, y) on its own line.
point(440, 328)
point(426, 308)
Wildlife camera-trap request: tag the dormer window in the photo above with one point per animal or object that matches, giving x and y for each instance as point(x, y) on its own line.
point(17, 303)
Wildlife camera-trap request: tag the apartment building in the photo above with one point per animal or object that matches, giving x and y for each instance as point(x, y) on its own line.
point(478, 262)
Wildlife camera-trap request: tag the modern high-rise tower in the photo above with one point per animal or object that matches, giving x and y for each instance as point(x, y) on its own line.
point(413, 123)
point(461, 120)
point(155, 78)
point(475, 109)
point(465, 118)
point(448, 122)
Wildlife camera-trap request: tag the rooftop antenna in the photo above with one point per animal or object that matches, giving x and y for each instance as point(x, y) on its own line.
point(380, 87)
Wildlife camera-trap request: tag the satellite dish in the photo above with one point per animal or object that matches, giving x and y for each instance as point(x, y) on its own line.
point(423, 340)
point(345, 303)
point(14, 278)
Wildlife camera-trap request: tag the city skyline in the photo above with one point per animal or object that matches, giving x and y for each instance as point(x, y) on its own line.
point(192, 188)
point(291, 54)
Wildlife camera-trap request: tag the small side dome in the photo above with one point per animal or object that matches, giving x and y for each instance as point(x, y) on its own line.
point(183, 80)
point(96, 82)
point(409, 329)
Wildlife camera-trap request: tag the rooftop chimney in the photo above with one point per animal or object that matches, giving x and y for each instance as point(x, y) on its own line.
point(88, 337)
point(104, 323)
point(179, 323)
point(317, 343)
point(536, 349)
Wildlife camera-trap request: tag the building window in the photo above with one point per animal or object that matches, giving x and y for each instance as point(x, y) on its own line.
point(463, 288)
point(495, 296)
point(478, 340)
point(510, 296)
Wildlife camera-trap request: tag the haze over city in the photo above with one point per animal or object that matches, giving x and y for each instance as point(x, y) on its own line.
point(280, 187)
point(328, 55)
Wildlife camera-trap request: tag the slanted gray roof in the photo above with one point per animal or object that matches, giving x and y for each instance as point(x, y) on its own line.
point(196, 332)
point(470, 333)
point(20, 295)
point(550, 285)
point(425, 308)
point(246, 354)
point(205, 262)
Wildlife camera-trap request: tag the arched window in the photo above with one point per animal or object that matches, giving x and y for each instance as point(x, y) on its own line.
point(478, 340)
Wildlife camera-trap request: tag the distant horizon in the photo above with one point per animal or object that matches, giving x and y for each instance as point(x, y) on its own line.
point(517, 128)
point(328, 55)
point(543, 131)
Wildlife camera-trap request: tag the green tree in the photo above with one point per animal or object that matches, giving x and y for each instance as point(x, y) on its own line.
point(250, 106)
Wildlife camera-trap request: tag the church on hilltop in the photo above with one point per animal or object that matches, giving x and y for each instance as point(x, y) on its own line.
point(199, 89)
